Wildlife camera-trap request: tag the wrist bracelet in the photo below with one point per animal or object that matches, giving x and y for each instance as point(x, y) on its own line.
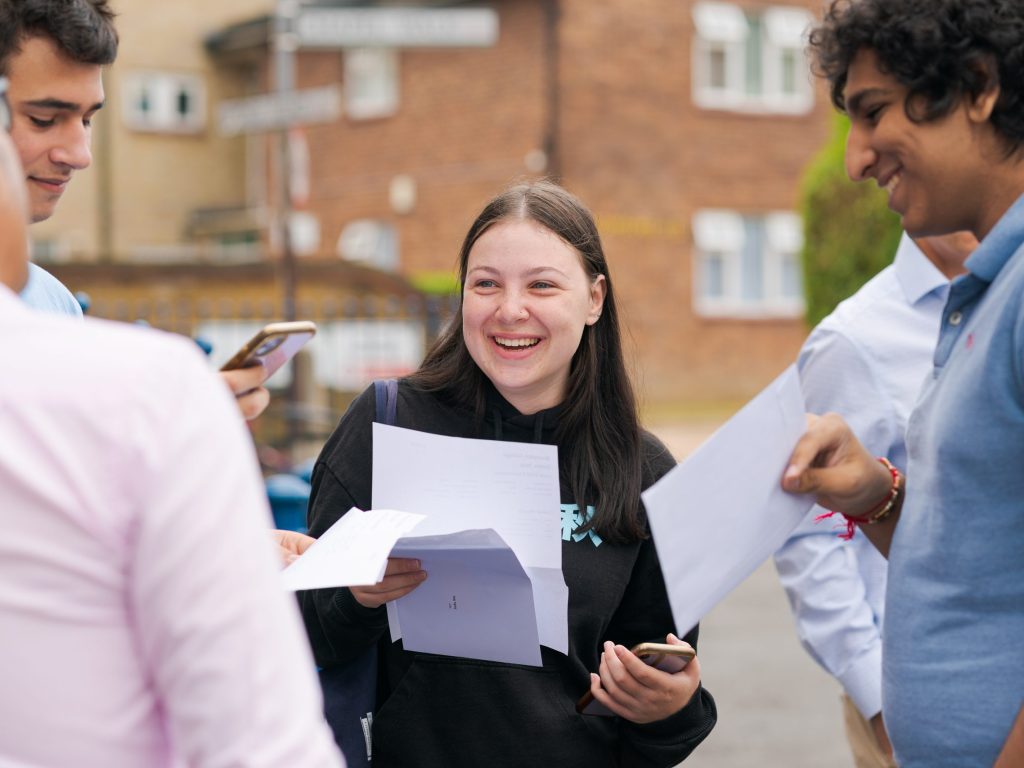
point(877, 513)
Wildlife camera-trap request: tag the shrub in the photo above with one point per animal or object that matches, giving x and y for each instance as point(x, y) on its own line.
point(849, 232)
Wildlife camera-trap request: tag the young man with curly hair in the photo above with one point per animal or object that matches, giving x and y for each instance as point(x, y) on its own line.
point(935, 94)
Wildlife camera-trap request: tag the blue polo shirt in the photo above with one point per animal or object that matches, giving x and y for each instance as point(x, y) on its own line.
point(953, 649)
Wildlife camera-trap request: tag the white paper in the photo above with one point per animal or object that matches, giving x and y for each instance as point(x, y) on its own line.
point(717, 516)
point(462, 484)
point(477, 601)
point(352, 552)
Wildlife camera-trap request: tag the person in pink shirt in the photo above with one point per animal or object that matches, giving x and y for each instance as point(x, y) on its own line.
point(143, 622)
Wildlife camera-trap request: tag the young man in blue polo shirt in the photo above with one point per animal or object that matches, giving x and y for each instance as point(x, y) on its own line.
point(935, 95)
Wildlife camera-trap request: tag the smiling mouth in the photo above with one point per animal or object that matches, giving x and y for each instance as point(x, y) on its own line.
point(54, 183)
point(515, 343)
point(892, 182)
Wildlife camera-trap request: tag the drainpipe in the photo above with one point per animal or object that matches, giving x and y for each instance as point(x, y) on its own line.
point(552, 12)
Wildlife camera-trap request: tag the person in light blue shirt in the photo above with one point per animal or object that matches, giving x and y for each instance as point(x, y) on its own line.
point(46, 293)
point(866, 361)
point(52, 56)
point(935, 95)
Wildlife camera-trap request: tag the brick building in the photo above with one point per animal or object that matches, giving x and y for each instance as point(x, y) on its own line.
point(684, 125)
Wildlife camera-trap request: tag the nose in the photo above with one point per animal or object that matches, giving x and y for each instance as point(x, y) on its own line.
point(860, 157)
point(72, 149)
point(512, 308)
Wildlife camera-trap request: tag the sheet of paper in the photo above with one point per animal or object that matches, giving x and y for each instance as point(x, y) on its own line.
point(464, 484)
point(353, 551)
point(717, 516)
point(477, 601)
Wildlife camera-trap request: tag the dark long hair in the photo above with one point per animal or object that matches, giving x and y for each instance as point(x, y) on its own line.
point(599, 431)
point(82, 29)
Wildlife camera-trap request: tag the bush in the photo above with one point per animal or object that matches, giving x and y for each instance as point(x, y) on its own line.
point(849, 232)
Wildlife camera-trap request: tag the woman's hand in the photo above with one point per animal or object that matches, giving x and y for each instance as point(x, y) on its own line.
point(830, 463)
point(639, 693)
point(291, 544)
point(401, 577)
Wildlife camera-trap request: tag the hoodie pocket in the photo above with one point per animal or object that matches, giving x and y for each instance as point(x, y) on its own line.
point(459, 712)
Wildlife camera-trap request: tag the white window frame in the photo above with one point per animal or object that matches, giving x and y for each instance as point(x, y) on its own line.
point(164, 88)
point(784, 240)
point(723, 234)
point(786, 33)
point(371, 83)
point(721, 26)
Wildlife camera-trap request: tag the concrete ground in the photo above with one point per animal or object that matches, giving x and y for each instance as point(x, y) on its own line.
point(776, 707)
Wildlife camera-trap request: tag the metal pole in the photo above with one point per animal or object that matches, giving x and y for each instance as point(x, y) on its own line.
point(285, 44)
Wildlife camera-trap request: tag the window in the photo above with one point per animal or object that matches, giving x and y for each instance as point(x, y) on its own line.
point(719, 55)
point(787, 84)
point(371, 82)
point(747, 266)
point(370, 242)
point(164, 102)
point(750, 61)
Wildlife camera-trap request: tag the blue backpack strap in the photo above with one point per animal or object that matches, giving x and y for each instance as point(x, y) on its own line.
point(350, 689)
point(385, 392)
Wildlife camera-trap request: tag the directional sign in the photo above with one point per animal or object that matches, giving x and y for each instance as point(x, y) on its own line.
point(274, 111)
point(334, 28)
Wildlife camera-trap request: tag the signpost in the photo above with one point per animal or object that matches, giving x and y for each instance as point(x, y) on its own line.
point(277, 111)
point(334, 28)
point(295, 27)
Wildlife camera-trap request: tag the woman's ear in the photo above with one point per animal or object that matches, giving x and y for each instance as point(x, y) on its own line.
point(598, 289)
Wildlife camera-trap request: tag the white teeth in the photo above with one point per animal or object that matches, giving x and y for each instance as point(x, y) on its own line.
point(516, 343)
point(893, 183)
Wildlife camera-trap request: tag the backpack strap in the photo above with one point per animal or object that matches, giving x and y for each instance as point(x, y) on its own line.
point(385, 392)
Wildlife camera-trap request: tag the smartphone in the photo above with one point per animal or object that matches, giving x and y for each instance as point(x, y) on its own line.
point(273, 346)
point(667, 658)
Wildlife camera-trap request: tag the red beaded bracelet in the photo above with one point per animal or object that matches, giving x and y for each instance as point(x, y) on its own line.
point(878, 512)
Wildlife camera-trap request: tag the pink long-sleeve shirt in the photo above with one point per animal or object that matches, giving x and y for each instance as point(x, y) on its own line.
point(142, 622)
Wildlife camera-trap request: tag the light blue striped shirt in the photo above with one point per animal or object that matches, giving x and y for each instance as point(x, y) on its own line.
point(865, 361)
point(45, 293)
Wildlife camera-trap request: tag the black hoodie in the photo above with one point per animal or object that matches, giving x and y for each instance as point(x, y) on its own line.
point(446, 712)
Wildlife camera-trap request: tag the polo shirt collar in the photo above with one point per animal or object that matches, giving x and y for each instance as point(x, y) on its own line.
point(1000, 244)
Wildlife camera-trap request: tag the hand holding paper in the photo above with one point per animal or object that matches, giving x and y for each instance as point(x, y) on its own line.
point(830, 462)
point(352, 551)
point(401, 576)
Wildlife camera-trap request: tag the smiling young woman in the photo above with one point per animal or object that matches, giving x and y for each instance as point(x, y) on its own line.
point(532, 355)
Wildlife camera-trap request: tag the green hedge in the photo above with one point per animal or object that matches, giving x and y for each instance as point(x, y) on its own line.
point(849, 232)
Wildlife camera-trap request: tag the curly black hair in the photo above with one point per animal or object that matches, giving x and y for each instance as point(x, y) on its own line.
point(941, 50)
point(82, 29)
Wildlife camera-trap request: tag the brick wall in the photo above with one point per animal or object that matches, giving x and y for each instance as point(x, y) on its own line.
point(629, 140)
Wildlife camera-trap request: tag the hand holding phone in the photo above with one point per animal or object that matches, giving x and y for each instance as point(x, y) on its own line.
point(273, 346)
point(667, 658)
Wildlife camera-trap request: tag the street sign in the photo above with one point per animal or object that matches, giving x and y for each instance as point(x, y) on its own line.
point(274, 111)
point(334, 28)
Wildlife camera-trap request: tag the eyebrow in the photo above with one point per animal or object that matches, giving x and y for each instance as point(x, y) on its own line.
point(529, 272)
point(65, 106)
point(855, 103)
